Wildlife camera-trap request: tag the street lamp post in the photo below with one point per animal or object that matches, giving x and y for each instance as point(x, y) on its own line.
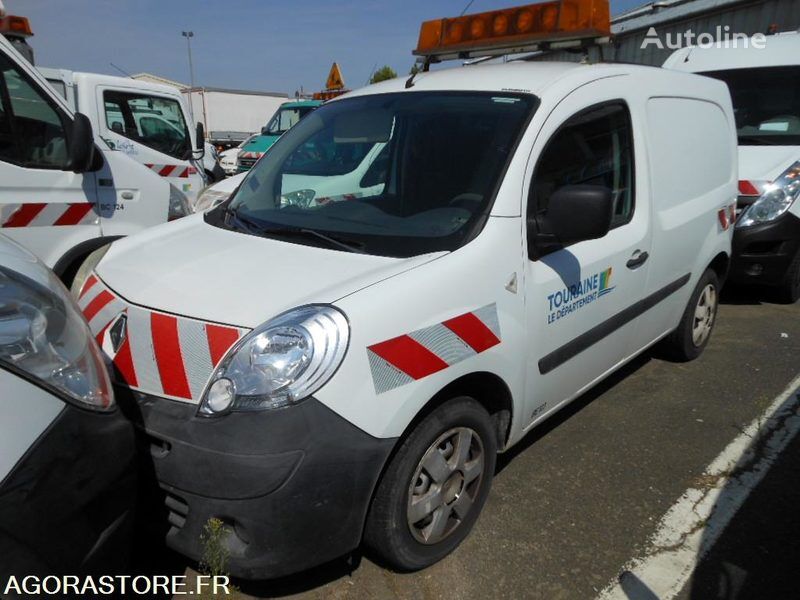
point(189, 35)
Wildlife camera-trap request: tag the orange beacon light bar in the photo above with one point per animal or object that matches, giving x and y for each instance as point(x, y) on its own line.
point(514, 28)
point(15, 25)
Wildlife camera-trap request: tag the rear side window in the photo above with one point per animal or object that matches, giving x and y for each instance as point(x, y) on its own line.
point(152, 121)
point(593, 147)
point(32, 130)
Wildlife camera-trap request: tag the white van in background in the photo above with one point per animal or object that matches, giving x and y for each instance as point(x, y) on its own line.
point(147, 121)
point(766, 100)
point(63, 192)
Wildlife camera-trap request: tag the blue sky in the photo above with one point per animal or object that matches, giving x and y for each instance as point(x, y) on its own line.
point(247, 44)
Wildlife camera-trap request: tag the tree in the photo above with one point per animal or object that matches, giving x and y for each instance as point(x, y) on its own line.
point(382, 74)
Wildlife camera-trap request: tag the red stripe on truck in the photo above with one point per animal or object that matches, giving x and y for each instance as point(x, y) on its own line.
point(409, 356)
point(473, 331)
point(167, 350)
point(24, 215)
point(74, 214)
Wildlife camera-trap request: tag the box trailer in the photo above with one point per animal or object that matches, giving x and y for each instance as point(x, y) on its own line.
point(231, 116)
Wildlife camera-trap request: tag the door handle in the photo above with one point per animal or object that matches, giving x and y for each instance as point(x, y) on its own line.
point(637, 260)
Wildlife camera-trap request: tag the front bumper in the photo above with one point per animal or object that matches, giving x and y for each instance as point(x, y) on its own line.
point(292, 486)
point(763, 253)
point(68, 506)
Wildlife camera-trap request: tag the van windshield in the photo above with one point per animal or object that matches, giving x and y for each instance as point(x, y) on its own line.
point(766, 103)
point(397, 174)
point(285, 119)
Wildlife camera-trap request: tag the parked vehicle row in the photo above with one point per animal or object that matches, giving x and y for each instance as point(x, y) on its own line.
point(543, 224)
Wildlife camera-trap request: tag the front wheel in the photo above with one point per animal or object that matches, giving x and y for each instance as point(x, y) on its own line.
point(689, 340)
point(434, 487)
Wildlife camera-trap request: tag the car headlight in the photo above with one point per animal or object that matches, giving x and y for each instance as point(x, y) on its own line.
point(43, 335)
point(282, 362)
point(178, 204)
point(777, 198)
point(210, 198)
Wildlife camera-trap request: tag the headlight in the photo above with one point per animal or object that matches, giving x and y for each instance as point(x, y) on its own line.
point(178, 204)
point(210, 198)
point(777, 198)
point(43, 334)
point(282, 362)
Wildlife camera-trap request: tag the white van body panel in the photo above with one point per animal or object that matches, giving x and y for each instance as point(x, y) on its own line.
point(53, 212)
point(763, 163)
point(26, 411)
point(202, 272)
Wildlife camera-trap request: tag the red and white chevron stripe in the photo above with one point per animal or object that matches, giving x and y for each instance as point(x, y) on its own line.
point(172, 170)
point(153, 352)
point(423, 352)
point(41, 214)
point(752, 188)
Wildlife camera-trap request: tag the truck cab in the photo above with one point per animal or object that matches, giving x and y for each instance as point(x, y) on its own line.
point(64, 192)
point(766, 102)
point(147, 121)
point(286, 117)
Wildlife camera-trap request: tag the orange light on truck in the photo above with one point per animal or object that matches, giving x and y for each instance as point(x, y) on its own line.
point(15, 25)
point(512, 27)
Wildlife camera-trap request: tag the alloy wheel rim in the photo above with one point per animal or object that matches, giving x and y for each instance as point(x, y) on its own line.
point(445, 485)
point(704, 314)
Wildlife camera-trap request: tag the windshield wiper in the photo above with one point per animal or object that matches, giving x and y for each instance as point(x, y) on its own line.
point(261, 228)
point(342, 243)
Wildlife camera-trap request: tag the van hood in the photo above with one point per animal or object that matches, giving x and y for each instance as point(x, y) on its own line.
point(765, 163)
point(192, 269)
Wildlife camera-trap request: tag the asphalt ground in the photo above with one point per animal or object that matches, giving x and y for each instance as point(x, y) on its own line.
point(581, 495)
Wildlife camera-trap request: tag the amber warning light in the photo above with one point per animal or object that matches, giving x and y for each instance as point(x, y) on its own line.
point(512, 28)
point(15, 25)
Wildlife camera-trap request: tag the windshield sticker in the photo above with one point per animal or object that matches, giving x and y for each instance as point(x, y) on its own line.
point(566, 301)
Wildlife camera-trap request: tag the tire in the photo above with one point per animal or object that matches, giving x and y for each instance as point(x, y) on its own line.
point(456, 485)
point(684, 344)
point(790, 289)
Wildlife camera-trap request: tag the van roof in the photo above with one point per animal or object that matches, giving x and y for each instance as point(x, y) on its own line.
point(515, 76)
point(782, 49)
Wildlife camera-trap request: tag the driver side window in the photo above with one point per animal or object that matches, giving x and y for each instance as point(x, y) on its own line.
point(593, 147)
point(153, 121)
point(32, 130)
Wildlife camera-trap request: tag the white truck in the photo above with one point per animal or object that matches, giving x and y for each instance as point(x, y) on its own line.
point(63, 191)
point(763, 83)
point(231, 116)
point(412, 278)
point(147, 121)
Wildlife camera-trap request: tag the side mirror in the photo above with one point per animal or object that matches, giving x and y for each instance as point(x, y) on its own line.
point(81, 146)
point(575, 213)
point(200, 138)
point(264, 130)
